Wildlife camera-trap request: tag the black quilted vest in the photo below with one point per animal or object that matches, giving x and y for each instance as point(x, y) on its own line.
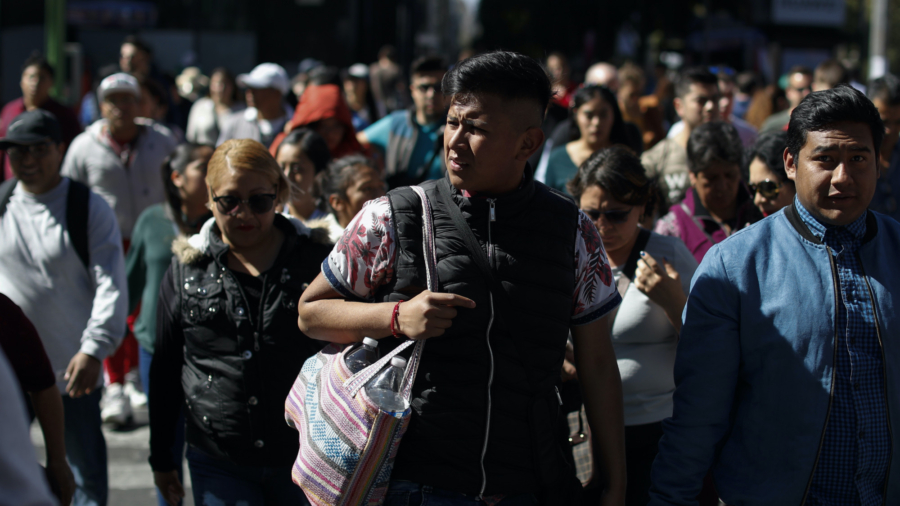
point(485, 391)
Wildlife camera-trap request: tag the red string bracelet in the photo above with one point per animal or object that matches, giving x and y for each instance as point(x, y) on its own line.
point(395, 320)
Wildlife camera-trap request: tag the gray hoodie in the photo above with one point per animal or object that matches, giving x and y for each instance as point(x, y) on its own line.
point(128, 190)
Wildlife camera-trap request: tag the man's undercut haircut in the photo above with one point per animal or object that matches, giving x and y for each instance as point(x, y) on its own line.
point(428, 63)
point(769, 148)
point(508, 75)
point(832, 73)
point(821, 110)
point(714, 141)
point(695, 75)
point(885, 88)
point(135, 41)
point(37, 60)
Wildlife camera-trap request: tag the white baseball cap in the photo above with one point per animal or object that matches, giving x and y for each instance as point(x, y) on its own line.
point(120, 82)
point(266, 75)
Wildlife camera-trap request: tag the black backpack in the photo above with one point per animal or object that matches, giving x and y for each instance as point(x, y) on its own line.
point(76, 215)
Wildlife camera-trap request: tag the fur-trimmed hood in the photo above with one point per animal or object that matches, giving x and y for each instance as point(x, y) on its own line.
point(190, 250)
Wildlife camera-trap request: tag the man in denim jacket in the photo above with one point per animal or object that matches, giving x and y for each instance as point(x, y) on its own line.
point(787, 384)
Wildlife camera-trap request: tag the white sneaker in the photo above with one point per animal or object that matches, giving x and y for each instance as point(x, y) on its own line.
point(116, 406)
point(138, 399)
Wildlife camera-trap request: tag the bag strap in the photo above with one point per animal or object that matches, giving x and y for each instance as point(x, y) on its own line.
point(77, 213)
point(358, 380)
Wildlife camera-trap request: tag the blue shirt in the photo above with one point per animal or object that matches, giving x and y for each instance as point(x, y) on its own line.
point(379, 134)
point(856, 448)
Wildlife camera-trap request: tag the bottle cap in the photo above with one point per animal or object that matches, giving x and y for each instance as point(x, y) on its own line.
point(398, 362)
point(368, 341)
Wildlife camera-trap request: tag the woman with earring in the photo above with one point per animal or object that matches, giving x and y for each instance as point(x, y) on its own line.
point(653, 274)
point(228, 348)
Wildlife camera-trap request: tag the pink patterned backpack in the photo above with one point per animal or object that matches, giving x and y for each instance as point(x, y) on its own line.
point(347, 444)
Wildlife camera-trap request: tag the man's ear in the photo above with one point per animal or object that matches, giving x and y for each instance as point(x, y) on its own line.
point(790, 165)
point(532, 140)
point(679, 106)
point(336, 202)
point(692, 177)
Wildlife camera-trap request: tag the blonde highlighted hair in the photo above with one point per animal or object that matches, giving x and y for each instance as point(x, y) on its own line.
point(247, 154)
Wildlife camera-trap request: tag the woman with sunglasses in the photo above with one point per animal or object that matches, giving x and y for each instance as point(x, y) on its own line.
point(345, 187)
point(769, 184)
point(228, 348)
point(302, 155)
point(653, 274)
point(595, 111)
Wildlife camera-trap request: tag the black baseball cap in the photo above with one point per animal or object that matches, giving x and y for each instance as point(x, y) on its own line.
point(32, 127)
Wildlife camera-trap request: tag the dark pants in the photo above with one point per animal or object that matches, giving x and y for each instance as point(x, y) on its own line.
point(86, 449)
point(217, 482)
point(641, 447)
point(407, 493)
point(178, 448)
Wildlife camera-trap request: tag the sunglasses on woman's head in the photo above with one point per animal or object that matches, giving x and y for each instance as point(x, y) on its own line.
point(768, 188)
point(612, 216)
point(260, 203)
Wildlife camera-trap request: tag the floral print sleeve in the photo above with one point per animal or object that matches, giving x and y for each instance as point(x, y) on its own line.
point(363, 258)
point(595, 288)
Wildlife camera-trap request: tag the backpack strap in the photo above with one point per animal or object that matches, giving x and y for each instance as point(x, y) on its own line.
point(6, 191)
point(77, 212)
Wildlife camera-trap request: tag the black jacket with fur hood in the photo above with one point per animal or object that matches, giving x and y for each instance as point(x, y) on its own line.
point(228, 349)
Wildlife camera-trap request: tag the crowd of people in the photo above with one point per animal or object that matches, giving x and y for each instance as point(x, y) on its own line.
point(678, 292)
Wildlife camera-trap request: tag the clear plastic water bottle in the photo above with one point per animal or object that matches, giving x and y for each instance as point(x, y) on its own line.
point(362, 357)
point(384, 389)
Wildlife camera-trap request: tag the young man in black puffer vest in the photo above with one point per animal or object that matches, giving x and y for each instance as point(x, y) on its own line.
point(485, 400)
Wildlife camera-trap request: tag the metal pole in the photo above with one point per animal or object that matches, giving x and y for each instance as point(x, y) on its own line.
point(55, 41)
point(878, 65)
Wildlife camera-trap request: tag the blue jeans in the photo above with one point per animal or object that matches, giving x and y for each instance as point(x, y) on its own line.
point(144, 360)
point(218, 482)
point(407, 493)
point(86, 448)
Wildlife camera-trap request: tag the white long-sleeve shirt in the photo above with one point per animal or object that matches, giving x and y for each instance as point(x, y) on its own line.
point(72, 308)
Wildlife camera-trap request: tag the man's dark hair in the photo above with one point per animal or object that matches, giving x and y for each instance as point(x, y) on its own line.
point(156, 91)
point(713, 141)
point(324, 75)
point(37, 60)
point(769, 148)
point(885, 88)
point(428, 63)
point(748, 82)
point(617, 170)
point(832, 73)
point(388, 51)
point(695, 75)
point(509, 75)
point(135, 41)
point(822, 109)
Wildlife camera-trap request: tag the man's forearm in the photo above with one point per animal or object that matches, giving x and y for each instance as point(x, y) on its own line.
point(48, 408)
point(341, 321)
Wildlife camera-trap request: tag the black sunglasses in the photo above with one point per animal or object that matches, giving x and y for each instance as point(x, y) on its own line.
point(260, 203)
point(612, 216)
point(768, 188)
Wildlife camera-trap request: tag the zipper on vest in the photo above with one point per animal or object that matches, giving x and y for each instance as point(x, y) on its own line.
point(837, 289)
point(487, 429)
